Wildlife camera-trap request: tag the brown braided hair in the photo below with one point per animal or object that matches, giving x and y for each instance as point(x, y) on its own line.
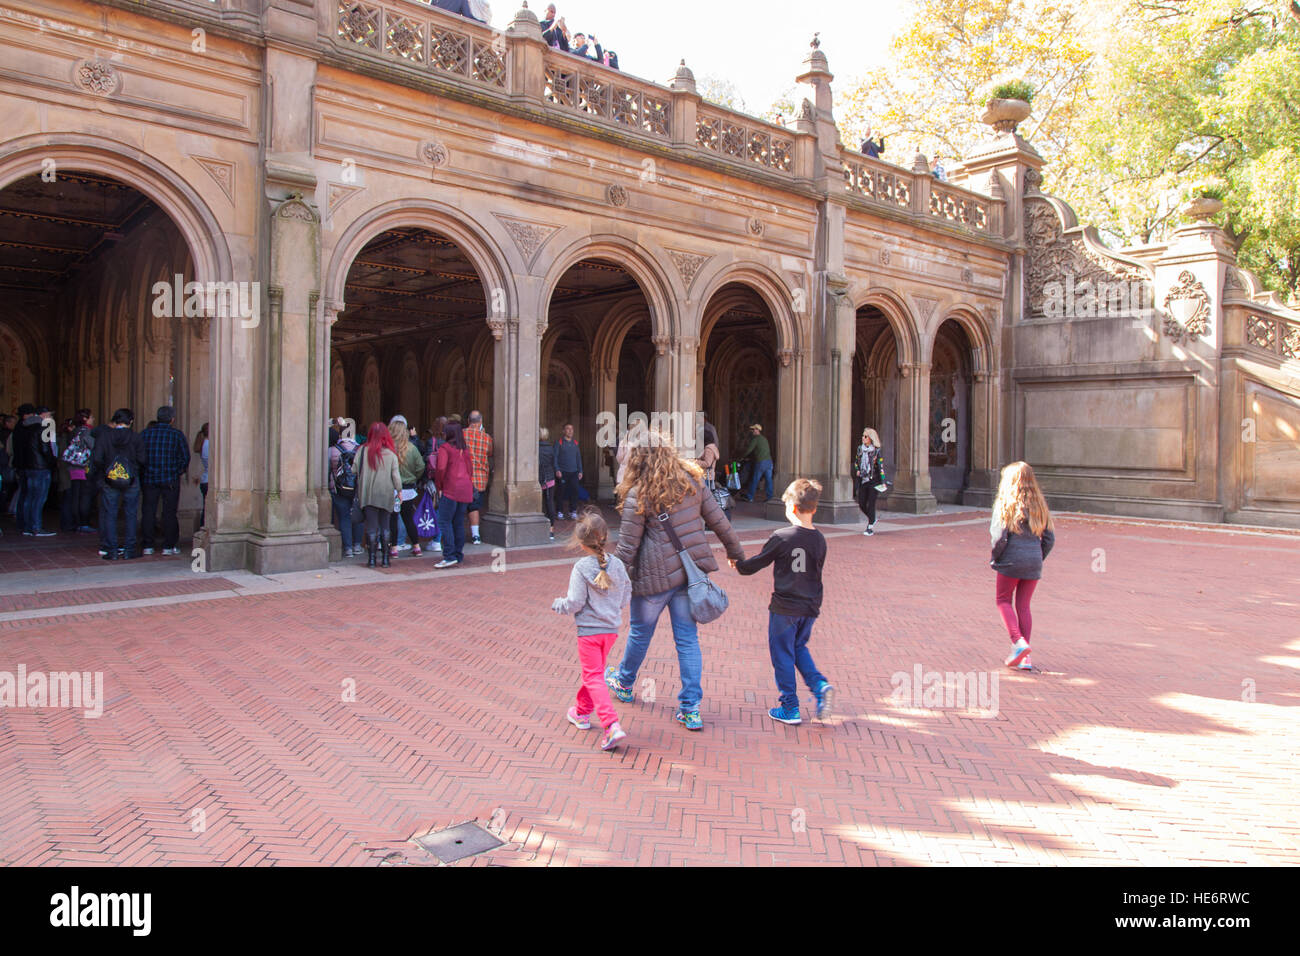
point(592, 533)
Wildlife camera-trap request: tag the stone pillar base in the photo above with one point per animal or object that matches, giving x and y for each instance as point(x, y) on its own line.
point(263, 554)
point(978, 497)
point(335, 539)
point(908, 503)
point(835, 512)
point(512, 531)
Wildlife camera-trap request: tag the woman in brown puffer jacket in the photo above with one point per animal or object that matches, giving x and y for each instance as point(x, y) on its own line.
point(658, 482)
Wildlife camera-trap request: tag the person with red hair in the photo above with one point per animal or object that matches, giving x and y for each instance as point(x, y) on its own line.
point(379, 481)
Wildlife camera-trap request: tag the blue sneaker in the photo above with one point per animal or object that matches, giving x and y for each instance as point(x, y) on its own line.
point(786, 715)
point(1019, 651)
point(824, 693)
point(691, 718)
point(620, 690)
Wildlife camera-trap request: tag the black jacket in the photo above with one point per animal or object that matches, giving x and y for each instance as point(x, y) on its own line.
point(119, 442)
point(30, 453)
point(1020, 554)
point(545, 462)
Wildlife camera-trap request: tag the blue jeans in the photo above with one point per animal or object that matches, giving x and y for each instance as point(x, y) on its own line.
point(787, 640)
point(644, 616)
point(35, 491)
point(762, 472)
point(451, 525)
point(109, 501)
point(343, 521)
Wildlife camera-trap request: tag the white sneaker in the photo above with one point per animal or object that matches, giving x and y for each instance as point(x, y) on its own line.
point(403, 547)
point(476, 540)
point(444, 563)
point(437, 546)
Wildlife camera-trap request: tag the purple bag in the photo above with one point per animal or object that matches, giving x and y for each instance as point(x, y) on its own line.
point(426, 517)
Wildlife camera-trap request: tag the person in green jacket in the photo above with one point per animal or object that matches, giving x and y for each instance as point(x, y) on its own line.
point(761, 453)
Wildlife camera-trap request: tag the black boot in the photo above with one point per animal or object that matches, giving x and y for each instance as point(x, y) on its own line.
point(370, 553)
point(383, 547)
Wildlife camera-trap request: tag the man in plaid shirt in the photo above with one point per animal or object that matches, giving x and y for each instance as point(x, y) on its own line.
point(168, 461)
point(479, 443)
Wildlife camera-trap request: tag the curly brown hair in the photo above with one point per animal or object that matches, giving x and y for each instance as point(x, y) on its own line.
point(660, 477)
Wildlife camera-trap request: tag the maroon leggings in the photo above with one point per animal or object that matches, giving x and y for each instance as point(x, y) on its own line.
point(1016, 617)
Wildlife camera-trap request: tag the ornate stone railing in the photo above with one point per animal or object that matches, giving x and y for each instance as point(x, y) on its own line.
point(734, 136)
point(607, 96)
point(1274, 334)
point(421, 36)
point(920, 194)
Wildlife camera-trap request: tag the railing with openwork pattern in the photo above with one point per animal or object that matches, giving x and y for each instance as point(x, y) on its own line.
point(736, 137)
point(1274, 334)
point(423, 37)
point(596, 92)
point(920, 194)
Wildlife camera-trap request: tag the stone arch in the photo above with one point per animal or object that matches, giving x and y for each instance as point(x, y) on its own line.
point(649, 273)
point(480, 247)
point(901, 322)
point(770, 287)
point(608, 342)
point(198, 226)
point(977, 331)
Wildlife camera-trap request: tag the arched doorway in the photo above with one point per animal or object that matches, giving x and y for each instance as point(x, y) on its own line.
point(95, 316)
point(740, 386)
point(599, 346)
point(876, 384)
point(413, 317)
point(950, 413)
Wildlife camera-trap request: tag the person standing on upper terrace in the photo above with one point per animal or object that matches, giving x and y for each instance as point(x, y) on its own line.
point(872, 147)
point(554, 32)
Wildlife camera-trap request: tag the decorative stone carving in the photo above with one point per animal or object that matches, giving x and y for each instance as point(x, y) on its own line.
point(661, 343)
point(222, 173)
point(436, 154)
point(967, 276)
point(97, 76)
point(755, 226)
point(806, 110)
point(497, 327)
point(924, 307)
point(885, 257)
point(1194, 303)
point(529, 236)
point(1053, 256)
point(688, 265)
point(787, 356)
point(338, 194)
point(615, 195)
point(1033, 182)
point(295, 207)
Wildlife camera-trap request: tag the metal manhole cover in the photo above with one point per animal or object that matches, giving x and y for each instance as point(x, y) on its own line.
point(456, 843)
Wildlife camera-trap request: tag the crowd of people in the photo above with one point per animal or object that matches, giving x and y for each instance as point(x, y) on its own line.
point(101, 475)
point(557, 35)
point(395, 490)
point(663, 557)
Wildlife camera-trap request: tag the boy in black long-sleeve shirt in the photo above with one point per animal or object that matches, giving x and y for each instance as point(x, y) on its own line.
point(797, 553)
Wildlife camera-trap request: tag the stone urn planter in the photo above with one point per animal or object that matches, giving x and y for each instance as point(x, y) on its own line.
point(1005, 115)
point(1201, 208)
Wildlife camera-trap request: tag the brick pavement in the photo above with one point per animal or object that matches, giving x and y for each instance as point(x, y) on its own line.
point(1136, 741)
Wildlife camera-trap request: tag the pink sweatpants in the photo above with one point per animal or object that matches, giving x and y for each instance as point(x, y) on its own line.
point(593, 695)
point(1017, 618)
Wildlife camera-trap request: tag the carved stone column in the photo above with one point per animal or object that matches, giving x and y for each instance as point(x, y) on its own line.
point(911, 491)
point(985, 395)
point(514, 516)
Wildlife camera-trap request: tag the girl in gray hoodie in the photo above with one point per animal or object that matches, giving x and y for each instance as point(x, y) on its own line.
point(599, 589)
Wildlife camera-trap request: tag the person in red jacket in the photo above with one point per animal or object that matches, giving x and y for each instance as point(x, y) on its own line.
point(453, 470)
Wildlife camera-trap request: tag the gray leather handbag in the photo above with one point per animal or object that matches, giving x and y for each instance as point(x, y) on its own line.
point(706, 599)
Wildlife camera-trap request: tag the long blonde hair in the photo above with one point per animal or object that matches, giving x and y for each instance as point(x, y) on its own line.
point(591, 532)
point(401, 433)
point(660, 477)
point(1020, 502)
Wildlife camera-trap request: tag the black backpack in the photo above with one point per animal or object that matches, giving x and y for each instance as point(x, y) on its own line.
point(119, 474)
point(345, 476)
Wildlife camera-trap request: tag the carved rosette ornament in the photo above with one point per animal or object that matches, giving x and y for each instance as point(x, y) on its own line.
point(97, 76)
point(435, 154)
point(615, 195)
point(1190, 299)
point(755, 227)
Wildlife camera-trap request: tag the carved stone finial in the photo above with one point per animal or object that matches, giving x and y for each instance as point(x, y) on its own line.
point(684, 79)
point(920, 164)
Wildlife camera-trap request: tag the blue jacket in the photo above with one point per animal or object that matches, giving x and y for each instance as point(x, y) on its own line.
point(568, 456)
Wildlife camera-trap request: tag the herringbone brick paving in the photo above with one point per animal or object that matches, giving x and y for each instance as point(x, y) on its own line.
point(1158, 729)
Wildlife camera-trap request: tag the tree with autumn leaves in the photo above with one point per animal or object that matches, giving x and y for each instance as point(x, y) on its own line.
point(1138, 104)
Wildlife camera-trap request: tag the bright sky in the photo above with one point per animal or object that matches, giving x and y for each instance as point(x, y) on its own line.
point(758, 45)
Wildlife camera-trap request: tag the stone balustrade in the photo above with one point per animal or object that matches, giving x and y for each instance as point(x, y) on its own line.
point(1274, 334)
point(608, 96)
point(920, 195)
